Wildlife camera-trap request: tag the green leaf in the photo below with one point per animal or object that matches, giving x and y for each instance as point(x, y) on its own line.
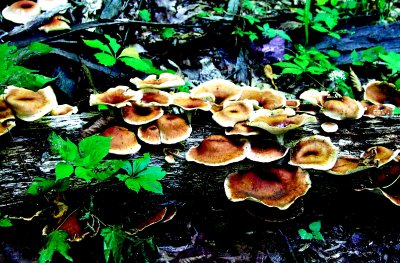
point(320, 28)
point(56, 242)
point(105, 59)
point(113, 44)
point(251, 19)
point(283, 35)
point(114, 237)
point(392, 60)
point(106, 169)
point(140, 164)
point(396, 111)
point(301, 62)
point(316, 70)
point(150, 185)
point(304, 234)
point(93, 149)
point(102, 107)
point(132, 184)
point(40, 185)
point(333, 53)
point(40, 48)
point(141, 65)
point(98, 45)
point(315, 226)
point(145, 15)
point(84, 173)
point(152, 173)
point(5, 222)
point(63, 170)
point(295, 71)
point(318, 236)
point(67, 150)
point(129, 52)
point(167, 33)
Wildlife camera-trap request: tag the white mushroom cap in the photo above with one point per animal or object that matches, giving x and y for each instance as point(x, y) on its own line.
point(21, 12)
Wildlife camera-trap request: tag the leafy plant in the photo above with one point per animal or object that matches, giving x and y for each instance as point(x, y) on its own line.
point(5, 222)
point(56, 242)
point(13, 73)
point(168, 32)
point(145, 15)
point(140, 175)
point(269, 32)
point(112, 51)
point(315, 228)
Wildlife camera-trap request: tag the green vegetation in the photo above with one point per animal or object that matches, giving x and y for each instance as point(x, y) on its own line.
point(315, 228)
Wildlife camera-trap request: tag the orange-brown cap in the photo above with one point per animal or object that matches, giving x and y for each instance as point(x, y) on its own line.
point(314, 152)
point(137, 115)
point(64, 109)
point(347, 165)
point(217, 91)
point(149, 133)
point(380, 92)
point(315, 97)
point(154, 97)
point(6, 126)
point(186, 102)
point(173, 129)
point(241, 128)
point(119, 96)
point(21, 12)
point(377, 110)
point(28, 105)
point(266, 98)
point(165, 80)
point(233, 112)
point(273, 186)
point(217, 150)
point(56, 23)
point(123, 140)
point(378, 156)
point(5, 111)
point(343, 108)
point(265, 151)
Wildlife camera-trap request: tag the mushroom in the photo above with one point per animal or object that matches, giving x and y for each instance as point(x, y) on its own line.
point(347, 165)
point(187, 102)
point(273, 186)
point(6, 126)
point(241, 128)
point(149, 133)
point(123, 140)
point(217, 91)
point(154, 97)
point(217, 150)
point(315, 97)
point(329, 127)
point(64, 109)
point(380, 92)
point(165, 80)
point(56, 23)
point(267, 98)
point(5, 111)
point(377, 110)
point(343, 108)
point(233, 112)
point(265, 151)
point(119, 97)
point(378, 156)
point(21, 12)
point(138, 115)
point(314, 152)
point(29, 105)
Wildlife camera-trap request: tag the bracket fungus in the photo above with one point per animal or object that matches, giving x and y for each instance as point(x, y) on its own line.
point(233, 112)
point(377, 110)
point(29, 105)
point(217, 150)
point(21, 12)
point(163, 81)
point(343, 108)
point(380, 92)
point(119, 97)
point(241, 128)
point(64, 109)
point(56, 23)
point(217, 91)
point(123, 140)
point(265, 151)
point(315, 97)
point(138, 115)
point(347, 165)
point(266, 98)
point(187, 102)
point(378, 156)
point(314, 152)
point(5, 111)
point(154, 97)
point(273, 186)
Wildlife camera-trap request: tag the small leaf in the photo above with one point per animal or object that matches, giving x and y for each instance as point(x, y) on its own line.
point(168, 33)
point(93, 149)
point(315, 226)
point(84, 173)
point(304, 234)
point(63, 170)
point(152, 173)
point(114, 237)
point(145, 15)
point(113, 44)
point(318, 236)
point(5, 222)
point(131, 52)
point(98, 44)
point(40, 185)
point(132, 184)
point(67, 150)
point(40, 48)
point(396, 111)
point(105, 59)
point(56, 242)
point(140, 164)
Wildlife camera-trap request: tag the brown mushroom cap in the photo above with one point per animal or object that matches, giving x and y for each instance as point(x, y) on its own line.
point(343, 108)
point(217, 90)
point(165, 80)
point(186, 102)
point(378, 110)
point(315, 97)
point(154, 97)
point(241, 128)
point(380, 92)
point(5, 111)
point(173, 129)
point(314, 152)
point(329, 126)
point(149, 133)
point(29, 105)
point(267, 98)
point(21, 12)
point(6, 126)
point(273, 186)
point(378, 156)
point(265, 151)
point(233, 112)
point(217, 150)
point(138, 115)
point(64, 109)
point(56, 23)
point(123, 140)
point(347, 165)
point(119, 97)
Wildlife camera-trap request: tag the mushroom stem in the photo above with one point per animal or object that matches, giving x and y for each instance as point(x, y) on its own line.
point(280, 138)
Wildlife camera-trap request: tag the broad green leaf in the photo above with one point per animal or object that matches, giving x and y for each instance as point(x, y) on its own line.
point(315, 226)
point(167, 32)
point(152, 173)
point(320, 28)
point(106, 169)
point(98, 44)
point(113, 44)
point(129, 52)
point(127, 166)
point(141, 65)
point(40, 185)
point(114, 237)
point(140, 164)
point(93, 149)
point(56, 242)
point(322, 2)
point(63, 170)
point(318, 236)
point(392, 60)
point(396, 111)
point(150, 185)
point(105, 59)
point(286, 65)
point(304, 234)
point(40, 48)
point(251, 19)
point(316, 70)
point(333, 53)
point(5, 222)
point(132, 184)
point(295, 71)
point(67, 150)
point(335, 35)
point(84, 173)
point(102, 107)
point(283, 35)
point(145, 15)
point(301, 62)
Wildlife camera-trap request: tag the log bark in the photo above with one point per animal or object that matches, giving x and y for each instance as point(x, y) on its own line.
point(25, 154)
